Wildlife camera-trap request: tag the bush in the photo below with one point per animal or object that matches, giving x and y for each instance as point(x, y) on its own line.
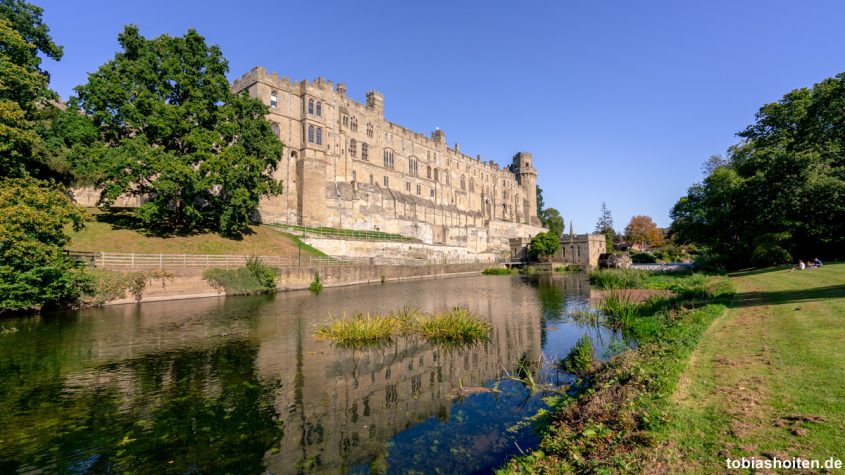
point(770, 254)
point(253, 278)
point(317, 284)
point(580, 359)
point(643, 258)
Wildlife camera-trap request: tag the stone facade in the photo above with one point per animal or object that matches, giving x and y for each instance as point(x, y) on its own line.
point(345, 166)
point(582, 249)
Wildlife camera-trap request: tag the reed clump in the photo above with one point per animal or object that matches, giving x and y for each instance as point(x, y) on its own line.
point(619, 309)
point(499, 271)
point(454, 327)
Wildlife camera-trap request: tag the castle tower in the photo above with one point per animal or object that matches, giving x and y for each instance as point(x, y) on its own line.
point(526, 175)
point(375, 102)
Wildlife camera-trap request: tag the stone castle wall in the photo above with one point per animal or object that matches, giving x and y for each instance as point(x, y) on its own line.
point(346, 166)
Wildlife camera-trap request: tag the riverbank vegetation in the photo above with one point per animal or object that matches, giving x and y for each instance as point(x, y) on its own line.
point(620, 409)
point(499, 271)
point(253, 278)
point(453, 327)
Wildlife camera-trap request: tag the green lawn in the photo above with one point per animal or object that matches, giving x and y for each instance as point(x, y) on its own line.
point(768, 378)
point(117, 232)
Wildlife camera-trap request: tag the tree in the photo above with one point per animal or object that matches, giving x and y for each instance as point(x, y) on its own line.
point(605, 226)
point(551, 219)
point(781, 189)
point(540, 202)
point(172, 132)
point(544, 244)
point(712, 163)
point(33, 269)
point(642, 229)
point(23, 85)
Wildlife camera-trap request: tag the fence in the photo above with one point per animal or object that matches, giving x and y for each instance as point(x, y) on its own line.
point(306, 231)
point(114, 260)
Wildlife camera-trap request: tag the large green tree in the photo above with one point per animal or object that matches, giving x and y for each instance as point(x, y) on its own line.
point(551, 219)
point(544, 245)
point(33, 269)
point(172, 132)
point(782, 189)
point(24, 85)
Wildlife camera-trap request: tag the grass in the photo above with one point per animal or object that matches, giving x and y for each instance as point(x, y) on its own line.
point(767, 378)
point(581, 358)
point(456, 327)
point(499, 271)
point(620, 310)
point(612, 422)
point(119, 232)
point(354, 233)
point(569, 268)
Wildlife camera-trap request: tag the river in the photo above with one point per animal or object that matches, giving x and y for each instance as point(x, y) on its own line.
point(240, 385)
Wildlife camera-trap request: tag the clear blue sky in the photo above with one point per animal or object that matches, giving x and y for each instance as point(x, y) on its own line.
point(619, 101)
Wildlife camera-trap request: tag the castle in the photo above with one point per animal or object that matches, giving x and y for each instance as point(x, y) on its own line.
point(346, 166)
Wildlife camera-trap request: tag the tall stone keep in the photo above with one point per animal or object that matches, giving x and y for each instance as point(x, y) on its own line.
point(526, 176)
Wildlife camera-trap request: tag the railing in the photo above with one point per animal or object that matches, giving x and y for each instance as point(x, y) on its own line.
point(306, 231)
point(114, 260)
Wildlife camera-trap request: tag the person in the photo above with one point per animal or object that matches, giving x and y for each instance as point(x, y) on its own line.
point(799, 266)
point(817, 263)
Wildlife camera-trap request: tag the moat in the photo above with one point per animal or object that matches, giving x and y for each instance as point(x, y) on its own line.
point(240, 385)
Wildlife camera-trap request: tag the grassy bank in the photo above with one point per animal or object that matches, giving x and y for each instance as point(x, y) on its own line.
point(767, 379)
point(119, 232)
point(621, 410)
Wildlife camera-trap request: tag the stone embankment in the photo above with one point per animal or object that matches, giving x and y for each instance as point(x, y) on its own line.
point(188, 283)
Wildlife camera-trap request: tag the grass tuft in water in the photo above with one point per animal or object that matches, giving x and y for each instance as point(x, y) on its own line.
point(455, 326)
point(620, 309)
point(581, 357)
point(360, 330)
point(499, 271)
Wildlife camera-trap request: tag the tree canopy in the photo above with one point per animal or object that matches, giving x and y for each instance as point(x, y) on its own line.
point(172, 132)
point(23, 85)
point(642, 230)
point(604, 225)
point(544, 244)
point(781, 190)
point(551, 219)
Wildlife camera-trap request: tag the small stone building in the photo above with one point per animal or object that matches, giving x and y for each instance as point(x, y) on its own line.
point(582, 249)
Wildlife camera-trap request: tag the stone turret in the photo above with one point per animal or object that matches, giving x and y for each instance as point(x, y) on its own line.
point(526, 176)
point(375, 102)
point(438, 136)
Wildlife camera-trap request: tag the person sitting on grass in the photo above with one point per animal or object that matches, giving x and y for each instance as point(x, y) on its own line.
point(816, 263)
point(799, 266)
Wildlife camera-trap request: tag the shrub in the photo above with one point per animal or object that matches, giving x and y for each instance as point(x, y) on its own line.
point(498, 271)
point(316, 284)
point(769, 254)
point(643, 258)
point(253, 278)
point(581, 357)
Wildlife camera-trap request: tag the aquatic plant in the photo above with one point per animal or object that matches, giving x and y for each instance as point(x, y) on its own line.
point(360, 330)
point(581, 357)
point(619, 309)
point(569, 268)
point(617, 278)
point(498, 271)
point(316, 284)
point(454, 326)
point(584, 316)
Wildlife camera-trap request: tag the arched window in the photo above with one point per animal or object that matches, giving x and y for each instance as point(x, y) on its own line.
point(319, 108)
point(310, 134)
point(275, 129)
point(412, 166)
point(274, 100)
point(310, 106)
point(463, 182)
point(365, 151)
point(428, 172)
point(319, 136)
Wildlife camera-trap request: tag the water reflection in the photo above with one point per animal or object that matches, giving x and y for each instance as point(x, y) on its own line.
point(241, 385)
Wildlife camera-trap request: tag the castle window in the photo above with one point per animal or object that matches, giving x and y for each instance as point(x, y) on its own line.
point(436, 178)
point(412, 166)
point(319, 136)
point(432, 192)
point(354, 175)
point(310, 134)
point(463, 182)
point(388, 158)
point(371, 180)
point(354, 124)
point(353, 148)
point(387, 181)
point(419, 189)
point(346, 121)
point(369, 130)
point(275, 129)
point(274, 100)
point(408, 186)
point(365, 151)
point(310, 106)
point(319, 108)
point(428, 172)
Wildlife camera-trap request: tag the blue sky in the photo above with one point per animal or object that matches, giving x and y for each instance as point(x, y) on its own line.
point(619, 101)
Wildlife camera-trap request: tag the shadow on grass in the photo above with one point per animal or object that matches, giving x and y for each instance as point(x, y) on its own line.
point(125, 218)
point(756, 271)
point(751, 299)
